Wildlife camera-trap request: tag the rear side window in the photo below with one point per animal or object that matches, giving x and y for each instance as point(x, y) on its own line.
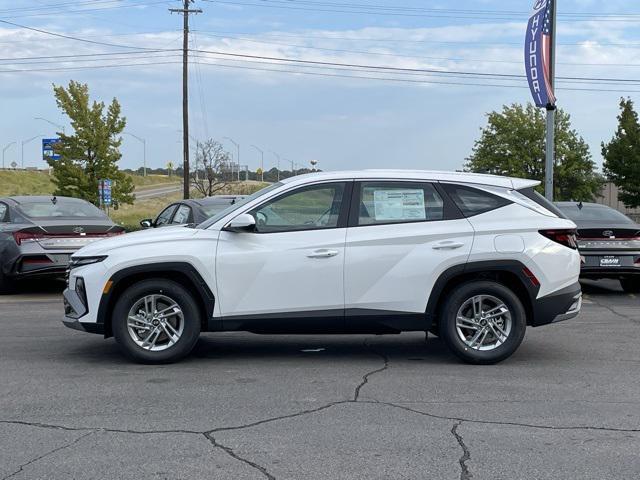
point(531, 194)
point(398, 202)
point(472, 201)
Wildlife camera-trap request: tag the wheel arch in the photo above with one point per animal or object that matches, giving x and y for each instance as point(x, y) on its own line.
point(181, 272)
point(510, 273)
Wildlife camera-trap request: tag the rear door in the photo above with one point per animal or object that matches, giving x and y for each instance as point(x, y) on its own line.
point(402, 235)
point(291, 268)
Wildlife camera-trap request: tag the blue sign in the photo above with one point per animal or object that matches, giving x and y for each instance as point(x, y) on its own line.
point(48, 153)
point(104, 191)
point(537, 53)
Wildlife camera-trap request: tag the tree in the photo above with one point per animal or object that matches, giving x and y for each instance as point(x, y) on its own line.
point(622, 155)
point(213, 162)
point(513, 144)
point(92, 152)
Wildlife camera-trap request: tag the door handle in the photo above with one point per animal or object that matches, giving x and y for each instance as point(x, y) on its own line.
point(448, 245)
point(323, 253)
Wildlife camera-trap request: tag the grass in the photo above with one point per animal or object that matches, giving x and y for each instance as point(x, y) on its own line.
point(20, 182)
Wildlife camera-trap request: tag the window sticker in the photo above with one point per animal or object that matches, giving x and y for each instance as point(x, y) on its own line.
point(396, 204)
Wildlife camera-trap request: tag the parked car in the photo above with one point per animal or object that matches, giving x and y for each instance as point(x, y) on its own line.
point(473, 258)
point(191, 211)
point(609, 242)
point(38, 234)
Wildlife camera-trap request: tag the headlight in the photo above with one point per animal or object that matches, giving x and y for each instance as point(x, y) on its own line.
point(82, 261)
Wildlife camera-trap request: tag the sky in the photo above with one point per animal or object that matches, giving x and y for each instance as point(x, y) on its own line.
point(308, 111)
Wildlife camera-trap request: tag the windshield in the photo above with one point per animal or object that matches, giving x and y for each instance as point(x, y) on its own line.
point(61, 208)
point(237, 205)
point(592, 213)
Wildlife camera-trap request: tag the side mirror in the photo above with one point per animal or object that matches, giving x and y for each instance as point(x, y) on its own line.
point(146, 223)
point(242, 223)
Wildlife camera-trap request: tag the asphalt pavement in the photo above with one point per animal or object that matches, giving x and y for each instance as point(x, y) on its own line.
point(244, 406)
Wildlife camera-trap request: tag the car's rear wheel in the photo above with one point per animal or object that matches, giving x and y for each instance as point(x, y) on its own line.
point(630, 284)
point(5, 285)
point(483, 322)
point(156, 321)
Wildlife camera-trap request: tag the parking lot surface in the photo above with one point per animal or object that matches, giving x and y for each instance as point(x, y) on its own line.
point(243, 406)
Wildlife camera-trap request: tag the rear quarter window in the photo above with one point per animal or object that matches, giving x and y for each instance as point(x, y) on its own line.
point(472, 201)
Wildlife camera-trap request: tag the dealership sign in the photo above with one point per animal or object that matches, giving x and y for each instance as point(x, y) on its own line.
point(538, 53)
point(48, 150)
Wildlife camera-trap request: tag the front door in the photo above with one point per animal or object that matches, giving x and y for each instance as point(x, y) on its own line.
point(289, 272)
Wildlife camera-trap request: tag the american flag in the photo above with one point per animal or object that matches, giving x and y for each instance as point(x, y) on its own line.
point(547, 39)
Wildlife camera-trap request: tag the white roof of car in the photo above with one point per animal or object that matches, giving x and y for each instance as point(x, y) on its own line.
point(432, 175)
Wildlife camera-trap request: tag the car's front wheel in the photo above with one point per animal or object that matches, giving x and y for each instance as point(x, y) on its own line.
point(630, 284)
point(483, 322)
point(156, 321)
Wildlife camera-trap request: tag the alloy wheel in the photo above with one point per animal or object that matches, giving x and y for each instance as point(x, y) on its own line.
point(155, 322)
point(483, 322)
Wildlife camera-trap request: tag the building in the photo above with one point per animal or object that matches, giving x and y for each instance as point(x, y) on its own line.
point(609, 197)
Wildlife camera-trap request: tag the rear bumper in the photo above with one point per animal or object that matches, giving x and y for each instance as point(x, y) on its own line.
point(591, 268)
point(561, 305)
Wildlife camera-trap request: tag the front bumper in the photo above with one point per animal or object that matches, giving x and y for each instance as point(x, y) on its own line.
point(561, 305)
point(83, 326)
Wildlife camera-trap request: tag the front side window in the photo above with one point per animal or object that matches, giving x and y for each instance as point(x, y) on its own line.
point(165, 216)
point(4, 217)
point(182, 215)
point(307, 208)
point(398, 202)
point(472, 201)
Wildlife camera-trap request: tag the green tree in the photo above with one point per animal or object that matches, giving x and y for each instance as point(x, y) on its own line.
point(513, 144)
point(92, 152)
point(622, 155)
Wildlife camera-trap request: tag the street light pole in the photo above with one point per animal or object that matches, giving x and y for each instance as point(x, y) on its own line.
point(278, 167)
point(144, 151)
point(24, 142)
point(4, 150)
point(238, 147)
point(261, 162)
point(51, 123)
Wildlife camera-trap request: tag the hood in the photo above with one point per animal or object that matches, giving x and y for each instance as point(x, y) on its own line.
point(142, 237)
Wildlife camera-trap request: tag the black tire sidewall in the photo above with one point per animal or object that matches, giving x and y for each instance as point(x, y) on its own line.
point(176, 292)
point(630, 284)
point(482, 287)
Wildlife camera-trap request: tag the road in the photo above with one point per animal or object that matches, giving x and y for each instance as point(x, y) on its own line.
point(243, 406)
point(157, 191)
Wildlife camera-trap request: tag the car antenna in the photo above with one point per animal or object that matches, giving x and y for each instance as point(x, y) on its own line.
point(54, 200)
point(580, 205)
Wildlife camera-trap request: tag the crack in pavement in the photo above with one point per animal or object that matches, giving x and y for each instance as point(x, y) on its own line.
point(229, 451)
point(366, 376)
point(50, 452)
point(618, 314)
point(465, 474)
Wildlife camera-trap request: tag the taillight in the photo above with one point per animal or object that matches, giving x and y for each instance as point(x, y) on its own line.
point(563, 237)
point(20, 237)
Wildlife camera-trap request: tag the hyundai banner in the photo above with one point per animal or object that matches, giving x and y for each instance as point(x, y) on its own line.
point(538, 55)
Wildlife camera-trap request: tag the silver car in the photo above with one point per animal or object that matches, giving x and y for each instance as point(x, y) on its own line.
point(38, 234)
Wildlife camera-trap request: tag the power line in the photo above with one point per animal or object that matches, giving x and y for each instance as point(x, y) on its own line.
point(87, 10)
point(70, 37)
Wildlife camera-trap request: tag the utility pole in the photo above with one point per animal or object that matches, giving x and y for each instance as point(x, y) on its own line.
point(551, 113)
point(185, 11)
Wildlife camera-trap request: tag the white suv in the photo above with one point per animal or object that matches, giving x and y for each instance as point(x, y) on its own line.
point(471, 258)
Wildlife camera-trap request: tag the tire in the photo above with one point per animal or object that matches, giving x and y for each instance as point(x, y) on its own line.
point(6, 286)
point(630, 284)
point(508, 317)
point(132, 321)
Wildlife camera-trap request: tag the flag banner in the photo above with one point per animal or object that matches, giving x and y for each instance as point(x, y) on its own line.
point(537, 53)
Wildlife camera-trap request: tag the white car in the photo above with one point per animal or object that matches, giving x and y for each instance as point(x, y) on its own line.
point(472, 258)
